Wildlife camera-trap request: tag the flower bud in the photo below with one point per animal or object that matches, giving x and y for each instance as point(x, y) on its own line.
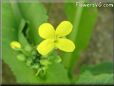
point(28, 48)
point(45, 62)
point(15, 45)
point(21, 57)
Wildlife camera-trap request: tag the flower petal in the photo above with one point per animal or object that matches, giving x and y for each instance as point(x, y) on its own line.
point(65, 45)
point(64, 28)
point(46, 31)
point(45, 47)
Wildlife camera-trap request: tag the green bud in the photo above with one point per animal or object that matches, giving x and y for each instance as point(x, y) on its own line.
point(28, 62)
point(34, 52)
point(28, 48)
point(45, 62)
point(21, 57)
point(58, 59)
point(36, 66)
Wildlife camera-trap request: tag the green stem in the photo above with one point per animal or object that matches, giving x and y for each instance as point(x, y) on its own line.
point(74, 35)
point(38, 71)
point(25, 53)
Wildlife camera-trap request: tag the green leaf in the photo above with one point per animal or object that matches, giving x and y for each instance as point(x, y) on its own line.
point(9, 33)
point(88, 78)
point(105, 67)
point(21, 37)
point(35, 14)
point(83, 20)
point(57, 74)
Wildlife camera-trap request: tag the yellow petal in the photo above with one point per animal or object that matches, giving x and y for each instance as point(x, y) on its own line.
point(45, 47)
point(64, 28)
point(15, 45)
point(46, 31)
point(65, 45)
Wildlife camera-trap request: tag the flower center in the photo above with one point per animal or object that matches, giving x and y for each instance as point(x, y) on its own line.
point(55, 39)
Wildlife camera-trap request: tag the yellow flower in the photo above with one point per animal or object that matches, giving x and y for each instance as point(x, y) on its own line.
point(15, 45)
point(55, 38)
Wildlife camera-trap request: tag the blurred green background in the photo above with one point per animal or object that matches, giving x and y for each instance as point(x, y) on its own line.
point(100, 47)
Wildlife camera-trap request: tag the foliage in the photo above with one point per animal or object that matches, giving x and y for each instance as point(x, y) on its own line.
point(10, 32)
point(83, 27)
point(104, 67)
point(88, 78)
point(20, 22)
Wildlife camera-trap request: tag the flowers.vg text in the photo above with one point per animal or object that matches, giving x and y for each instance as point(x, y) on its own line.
point(97, 4)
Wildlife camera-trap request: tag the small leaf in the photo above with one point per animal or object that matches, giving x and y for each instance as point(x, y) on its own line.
point(105, 67)
point(21, 37)
point(88, 78)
